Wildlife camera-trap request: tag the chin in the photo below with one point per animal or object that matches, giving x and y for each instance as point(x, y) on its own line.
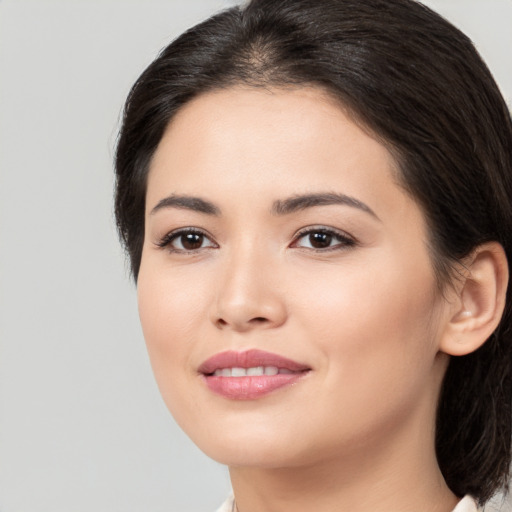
point(255, 455)
point(235, 448)
point(264, 447)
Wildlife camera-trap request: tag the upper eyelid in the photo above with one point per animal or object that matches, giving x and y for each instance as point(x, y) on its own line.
point(345, 240)
point(167, 238)
point(326, 229)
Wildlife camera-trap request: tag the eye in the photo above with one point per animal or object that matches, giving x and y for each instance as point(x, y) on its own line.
point(323, 239)
point(186, 240)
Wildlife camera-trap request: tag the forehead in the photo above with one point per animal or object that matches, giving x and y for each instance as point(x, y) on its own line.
point(259, 143)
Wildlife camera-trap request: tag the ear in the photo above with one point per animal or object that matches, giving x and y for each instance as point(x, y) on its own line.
point(479, 301)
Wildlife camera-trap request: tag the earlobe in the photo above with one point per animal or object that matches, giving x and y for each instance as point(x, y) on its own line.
point(480, 301)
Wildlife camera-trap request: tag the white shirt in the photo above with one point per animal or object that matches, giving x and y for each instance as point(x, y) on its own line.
point(466, 504)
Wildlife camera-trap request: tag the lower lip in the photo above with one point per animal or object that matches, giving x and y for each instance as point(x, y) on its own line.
point(250, 388)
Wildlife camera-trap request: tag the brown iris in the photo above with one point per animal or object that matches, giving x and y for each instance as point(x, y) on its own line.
point(191, 241)
point(320, 240)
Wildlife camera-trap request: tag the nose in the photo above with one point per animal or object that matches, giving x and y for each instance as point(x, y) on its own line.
point(247, 296)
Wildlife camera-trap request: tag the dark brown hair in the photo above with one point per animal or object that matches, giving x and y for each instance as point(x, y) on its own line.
point(416, 82)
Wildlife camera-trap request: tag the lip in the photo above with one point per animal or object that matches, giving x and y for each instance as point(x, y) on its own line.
point(250, 387)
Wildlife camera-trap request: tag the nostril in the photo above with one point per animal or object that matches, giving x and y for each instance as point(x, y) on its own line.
point(259, 320)
point(221, 323)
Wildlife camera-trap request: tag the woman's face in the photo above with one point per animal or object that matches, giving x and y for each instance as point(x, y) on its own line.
point(278, 241)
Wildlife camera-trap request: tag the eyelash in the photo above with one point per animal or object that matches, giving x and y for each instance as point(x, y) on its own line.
point(344, 241)
point(169, 238)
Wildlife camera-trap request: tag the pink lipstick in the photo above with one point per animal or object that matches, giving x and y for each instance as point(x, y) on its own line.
point(251, 374)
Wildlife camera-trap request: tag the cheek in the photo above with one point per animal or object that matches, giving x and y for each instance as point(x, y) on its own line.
point(389, 296)
point(373, 322)
point(372, 326)
point(171, 310)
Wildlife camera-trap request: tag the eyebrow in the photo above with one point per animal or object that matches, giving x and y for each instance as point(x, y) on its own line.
point(280, 207)
point(187, 203)
point(304, 201)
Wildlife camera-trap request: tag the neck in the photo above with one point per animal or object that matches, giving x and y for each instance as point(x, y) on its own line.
point(381, 483)
point(330, 489)
point(397, 472)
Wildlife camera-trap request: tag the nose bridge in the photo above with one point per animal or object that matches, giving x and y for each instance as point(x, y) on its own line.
point(246, 297)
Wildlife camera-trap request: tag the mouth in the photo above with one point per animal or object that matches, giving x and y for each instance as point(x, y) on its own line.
point(253, 371)
point(251, 374)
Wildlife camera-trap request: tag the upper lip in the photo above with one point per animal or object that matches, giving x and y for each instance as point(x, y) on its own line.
point(249, 359)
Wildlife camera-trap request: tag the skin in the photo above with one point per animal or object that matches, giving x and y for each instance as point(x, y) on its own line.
point(357, 433)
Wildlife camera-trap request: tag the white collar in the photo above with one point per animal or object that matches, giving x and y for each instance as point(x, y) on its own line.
point(466, 504)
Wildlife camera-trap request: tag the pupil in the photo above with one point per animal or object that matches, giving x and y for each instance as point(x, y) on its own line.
point(320, 240)
point(192, 241)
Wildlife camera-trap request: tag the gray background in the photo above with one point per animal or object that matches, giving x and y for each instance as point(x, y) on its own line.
point(82, 426)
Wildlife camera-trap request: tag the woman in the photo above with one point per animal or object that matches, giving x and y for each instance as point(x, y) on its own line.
point(315, 199)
